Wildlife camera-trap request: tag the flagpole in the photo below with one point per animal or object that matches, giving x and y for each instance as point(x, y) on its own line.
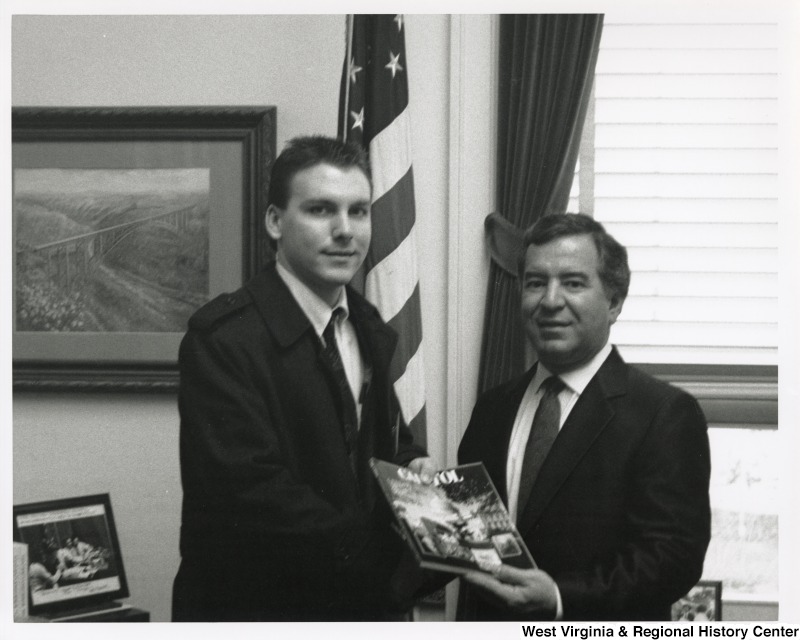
point(348, 58)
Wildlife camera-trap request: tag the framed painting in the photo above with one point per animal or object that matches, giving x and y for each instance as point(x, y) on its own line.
point(125, 221)
point(702, 603)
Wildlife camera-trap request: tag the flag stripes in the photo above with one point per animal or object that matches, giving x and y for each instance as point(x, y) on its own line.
point(373, 111)
point(409, 343)
point(399, 268)
point(386, 225)
point(393, 144)
point(408, 388)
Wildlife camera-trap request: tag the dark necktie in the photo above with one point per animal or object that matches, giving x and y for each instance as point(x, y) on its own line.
point(544, 430)
point(349, 413)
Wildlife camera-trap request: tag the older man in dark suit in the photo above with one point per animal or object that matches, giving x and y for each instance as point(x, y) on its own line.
point(284, 396)
point(605, 468)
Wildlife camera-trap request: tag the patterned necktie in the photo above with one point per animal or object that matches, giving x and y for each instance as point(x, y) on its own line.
point(347, 402)
point(544, 430)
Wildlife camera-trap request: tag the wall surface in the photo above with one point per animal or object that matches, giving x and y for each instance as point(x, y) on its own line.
point(184, 61)
point(67, 445)
point(127, 446)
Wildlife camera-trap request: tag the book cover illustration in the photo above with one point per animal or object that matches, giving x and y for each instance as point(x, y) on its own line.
point(458, 523)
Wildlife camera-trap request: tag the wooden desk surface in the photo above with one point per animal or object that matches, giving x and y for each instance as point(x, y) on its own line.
point(123, 614)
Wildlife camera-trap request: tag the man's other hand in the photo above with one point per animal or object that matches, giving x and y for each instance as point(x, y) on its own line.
point(530, 592)
point(424, 467)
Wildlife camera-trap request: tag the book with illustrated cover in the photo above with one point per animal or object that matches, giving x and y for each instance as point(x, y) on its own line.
point(457, 523)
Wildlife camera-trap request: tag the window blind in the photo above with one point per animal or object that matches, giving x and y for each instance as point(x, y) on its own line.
point(683, 140)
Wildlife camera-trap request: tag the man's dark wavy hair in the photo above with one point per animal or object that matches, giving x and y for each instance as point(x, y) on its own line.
point(308, 151)
point(615, 274)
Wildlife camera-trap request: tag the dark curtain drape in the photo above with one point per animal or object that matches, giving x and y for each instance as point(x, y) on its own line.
point(547, 67)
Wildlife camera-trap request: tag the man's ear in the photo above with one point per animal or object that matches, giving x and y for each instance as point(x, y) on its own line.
point(615, 308)
point(272, 222)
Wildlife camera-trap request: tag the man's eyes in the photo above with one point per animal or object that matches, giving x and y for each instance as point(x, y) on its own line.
point(320, 209)
point(329, 210)
point(572, 284)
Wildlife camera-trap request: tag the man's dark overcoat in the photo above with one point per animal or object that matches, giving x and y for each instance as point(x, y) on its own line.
point(619, 515)
point(275, 525)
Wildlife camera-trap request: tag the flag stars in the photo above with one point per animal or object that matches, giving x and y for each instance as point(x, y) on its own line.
point(399, 20)
point(358, 119)
point(353, 69)
point(394, 64)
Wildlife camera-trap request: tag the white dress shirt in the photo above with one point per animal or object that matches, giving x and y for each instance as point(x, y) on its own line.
point(319, 314)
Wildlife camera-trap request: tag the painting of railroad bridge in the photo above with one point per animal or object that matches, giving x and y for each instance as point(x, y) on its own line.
point(110, 250)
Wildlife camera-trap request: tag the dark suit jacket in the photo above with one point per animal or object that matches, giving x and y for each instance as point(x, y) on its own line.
point(619, 515)
point(275, 525)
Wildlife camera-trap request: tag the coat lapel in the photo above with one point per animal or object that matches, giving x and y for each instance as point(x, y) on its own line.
point(289, 325)
point(376, 339)
point(287, 322)
point(590, 415)
point(275, 303)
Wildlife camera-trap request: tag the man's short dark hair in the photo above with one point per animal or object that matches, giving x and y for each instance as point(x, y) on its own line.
point(615, 274)
point(308, 151)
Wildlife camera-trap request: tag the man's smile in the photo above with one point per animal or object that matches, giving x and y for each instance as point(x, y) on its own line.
point(552, 324)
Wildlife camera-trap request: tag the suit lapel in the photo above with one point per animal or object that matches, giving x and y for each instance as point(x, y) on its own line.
point(494, 454)
point(587, 420)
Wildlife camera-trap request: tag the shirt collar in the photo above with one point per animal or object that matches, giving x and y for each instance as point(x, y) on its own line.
point(577, 379)
point(316, 309)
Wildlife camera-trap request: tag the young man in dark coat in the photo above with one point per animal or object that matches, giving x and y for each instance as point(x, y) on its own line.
point(616, 509)
point(284, 397)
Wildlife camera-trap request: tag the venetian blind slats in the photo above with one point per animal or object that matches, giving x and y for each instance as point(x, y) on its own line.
point(686, 176)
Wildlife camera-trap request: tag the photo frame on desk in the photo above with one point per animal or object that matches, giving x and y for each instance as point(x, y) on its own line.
point(702, 603)
point(74, 554)
point(126, 220)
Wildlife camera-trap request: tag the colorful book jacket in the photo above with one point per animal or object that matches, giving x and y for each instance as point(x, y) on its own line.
point(458, 523)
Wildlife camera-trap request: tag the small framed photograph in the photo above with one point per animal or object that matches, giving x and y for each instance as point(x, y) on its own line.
point(703, 603)
point(74, 557)
point(125, 221)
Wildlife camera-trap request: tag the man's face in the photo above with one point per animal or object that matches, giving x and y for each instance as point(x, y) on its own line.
point(565, 308)
point(324, 232)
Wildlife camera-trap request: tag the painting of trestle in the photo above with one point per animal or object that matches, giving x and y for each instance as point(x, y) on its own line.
point(110, 250)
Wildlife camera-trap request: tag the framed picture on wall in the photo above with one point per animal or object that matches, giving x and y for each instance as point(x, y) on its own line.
point(125, 221)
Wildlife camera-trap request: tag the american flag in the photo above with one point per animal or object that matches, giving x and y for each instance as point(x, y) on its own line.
point(373, 110)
